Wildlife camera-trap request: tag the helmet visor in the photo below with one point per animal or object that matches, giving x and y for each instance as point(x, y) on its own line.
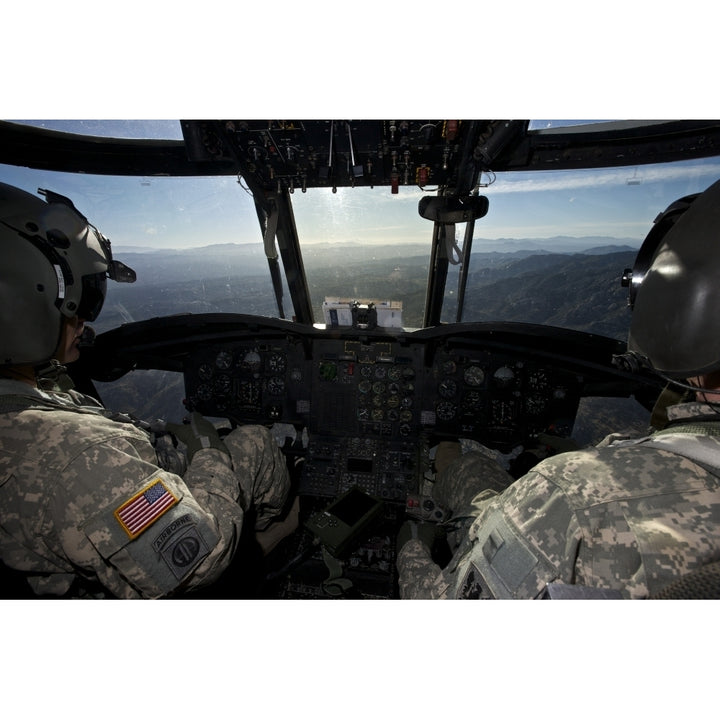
point(93, 296)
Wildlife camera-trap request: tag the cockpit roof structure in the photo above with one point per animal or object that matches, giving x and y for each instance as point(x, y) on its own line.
point(329, 153)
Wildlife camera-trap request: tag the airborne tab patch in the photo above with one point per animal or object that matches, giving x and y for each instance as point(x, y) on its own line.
point(143, 509)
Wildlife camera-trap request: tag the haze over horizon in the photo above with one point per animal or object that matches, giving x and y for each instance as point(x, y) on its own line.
point(556, 243)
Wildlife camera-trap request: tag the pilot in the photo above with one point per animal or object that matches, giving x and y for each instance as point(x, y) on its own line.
point(625, 518)
point(93, 505)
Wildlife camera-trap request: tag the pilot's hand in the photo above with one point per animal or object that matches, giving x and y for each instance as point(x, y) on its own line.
point(427, 533)
point(197, 434)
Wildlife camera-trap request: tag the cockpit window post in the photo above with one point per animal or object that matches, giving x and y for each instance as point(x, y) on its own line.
point(437, 275)
point(289, 245)
point(446, 211)
point(268, 223)
point(462, 278)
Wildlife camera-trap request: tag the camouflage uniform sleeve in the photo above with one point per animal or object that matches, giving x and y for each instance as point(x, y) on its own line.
point(139, 530)
point(419, 578)
point(260, 469)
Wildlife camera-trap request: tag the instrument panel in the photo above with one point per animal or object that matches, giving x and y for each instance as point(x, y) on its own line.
point(372, 407)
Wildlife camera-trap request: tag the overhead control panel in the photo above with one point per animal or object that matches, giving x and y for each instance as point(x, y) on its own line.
point(297, 154)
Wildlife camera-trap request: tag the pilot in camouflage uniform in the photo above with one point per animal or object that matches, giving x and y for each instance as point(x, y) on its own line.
point(631, 515)
point(90, 503)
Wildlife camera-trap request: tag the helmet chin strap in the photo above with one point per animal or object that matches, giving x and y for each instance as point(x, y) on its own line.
point(53, 375)
point(51, 370)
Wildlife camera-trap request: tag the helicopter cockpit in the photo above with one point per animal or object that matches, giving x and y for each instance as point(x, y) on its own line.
point(350, 288)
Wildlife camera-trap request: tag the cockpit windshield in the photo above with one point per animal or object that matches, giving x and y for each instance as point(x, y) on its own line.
point(550, 239)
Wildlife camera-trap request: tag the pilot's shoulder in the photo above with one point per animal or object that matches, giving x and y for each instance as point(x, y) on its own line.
point(616, 473)
point(58, 435)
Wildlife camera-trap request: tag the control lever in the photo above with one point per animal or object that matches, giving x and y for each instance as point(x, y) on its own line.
point(326, 171)
point(357, 170)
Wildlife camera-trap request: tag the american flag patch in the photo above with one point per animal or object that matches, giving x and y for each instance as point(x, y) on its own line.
point(143, 509)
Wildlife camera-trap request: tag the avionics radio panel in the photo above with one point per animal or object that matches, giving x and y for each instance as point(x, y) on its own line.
point(387, 469)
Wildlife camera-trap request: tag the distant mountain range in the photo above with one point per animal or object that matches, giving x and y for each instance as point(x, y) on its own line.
point(234, 260)
point(592, 244)
point(578, 288)
point(557, 243)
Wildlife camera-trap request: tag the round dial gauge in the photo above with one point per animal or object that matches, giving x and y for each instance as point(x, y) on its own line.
point(504, 376)
point(472, 399)
point(474, 375)
point(445, 410)
point(223, 383)
point(447, 388)
point(276, 385)
point(535, 404)
point(449, 367)
point(223, 360)
point(204, 392)
point(252, 360)
point(276, 363)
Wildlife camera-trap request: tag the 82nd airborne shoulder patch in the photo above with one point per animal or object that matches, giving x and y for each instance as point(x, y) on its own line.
point(473, 587)
point(142, 510)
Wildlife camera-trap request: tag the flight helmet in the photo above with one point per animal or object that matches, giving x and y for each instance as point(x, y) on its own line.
point(675, 289)
point(54, 264)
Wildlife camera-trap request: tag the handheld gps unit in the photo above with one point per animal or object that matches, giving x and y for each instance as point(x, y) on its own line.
point(344, 519)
